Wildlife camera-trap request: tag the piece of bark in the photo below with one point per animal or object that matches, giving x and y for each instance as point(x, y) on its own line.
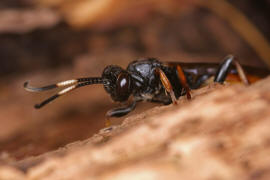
point(223, 133)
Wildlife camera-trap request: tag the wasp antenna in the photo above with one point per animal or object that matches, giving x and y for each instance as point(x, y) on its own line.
point(91, 80)
point(68, 89)
point(38, 106)
point(38, 89)
point(64, 91)
point(48, 87)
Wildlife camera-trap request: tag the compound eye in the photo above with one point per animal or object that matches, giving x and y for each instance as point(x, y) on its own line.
point(123, 85)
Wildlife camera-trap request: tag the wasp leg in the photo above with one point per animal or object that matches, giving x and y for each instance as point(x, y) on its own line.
point(166, 84)
point(162, 100)
point(183, 80)
point(119, 112)
point(224, 69)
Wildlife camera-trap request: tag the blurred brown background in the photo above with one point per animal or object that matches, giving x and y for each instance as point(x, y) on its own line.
point(46, 41)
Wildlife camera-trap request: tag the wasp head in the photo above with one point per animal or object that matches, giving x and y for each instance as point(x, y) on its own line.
point(117, 82)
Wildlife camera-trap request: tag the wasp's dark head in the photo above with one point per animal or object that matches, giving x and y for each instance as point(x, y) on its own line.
point(117, 82)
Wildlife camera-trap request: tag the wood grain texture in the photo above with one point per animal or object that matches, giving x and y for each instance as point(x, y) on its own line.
point(223, 133)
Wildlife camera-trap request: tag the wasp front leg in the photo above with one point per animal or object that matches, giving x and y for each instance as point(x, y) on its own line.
point(224, 68)
point(119, 112)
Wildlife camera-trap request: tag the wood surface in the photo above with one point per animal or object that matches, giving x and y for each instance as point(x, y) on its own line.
point(223, 133)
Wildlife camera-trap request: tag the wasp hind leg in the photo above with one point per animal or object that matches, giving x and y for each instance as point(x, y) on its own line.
point(119, 112)
point(224, 68)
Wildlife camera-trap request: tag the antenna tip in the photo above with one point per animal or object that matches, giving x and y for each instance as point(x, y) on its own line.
point(25, 84)
point(37, 106)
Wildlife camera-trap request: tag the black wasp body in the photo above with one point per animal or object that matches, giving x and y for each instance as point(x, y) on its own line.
point(141, 80)
point(150, 80)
